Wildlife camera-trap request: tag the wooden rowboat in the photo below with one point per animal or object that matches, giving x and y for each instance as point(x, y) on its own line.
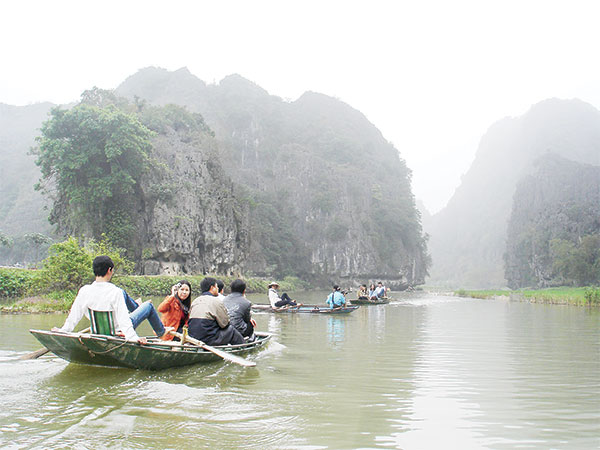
point(114, 351)
point(312, 309)
point(379, 301)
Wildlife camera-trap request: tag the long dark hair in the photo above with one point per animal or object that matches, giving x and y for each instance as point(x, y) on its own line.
point(185, 304)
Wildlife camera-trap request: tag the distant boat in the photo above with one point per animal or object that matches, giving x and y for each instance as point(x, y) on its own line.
point(311, 309)
point(115, 351)
point(379, 301)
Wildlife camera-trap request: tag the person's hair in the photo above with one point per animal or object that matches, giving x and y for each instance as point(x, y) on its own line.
point(101, 264)
point(336, 287)
point(363, 285)
point(220, 285)
point(238, 286)
point(182, 282)
point(379, 282)
point(206, 283)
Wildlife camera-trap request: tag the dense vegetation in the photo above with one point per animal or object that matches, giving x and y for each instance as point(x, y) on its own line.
point(68, 267)
point(93, 157)
point(561, 295)
point(553, 234)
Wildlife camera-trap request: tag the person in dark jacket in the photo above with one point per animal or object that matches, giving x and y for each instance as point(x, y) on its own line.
point(238, 308)
point(208, 320)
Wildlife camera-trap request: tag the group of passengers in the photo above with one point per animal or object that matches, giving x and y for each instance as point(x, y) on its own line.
point(212, 318)
point(373, 292)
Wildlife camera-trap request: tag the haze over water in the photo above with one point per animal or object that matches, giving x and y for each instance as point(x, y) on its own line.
point(422, 372)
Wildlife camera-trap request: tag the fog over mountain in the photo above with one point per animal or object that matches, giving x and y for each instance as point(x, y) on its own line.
point(468, 237)
point(288, 176)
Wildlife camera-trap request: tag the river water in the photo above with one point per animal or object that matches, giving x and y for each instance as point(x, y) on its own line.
point(423, 372)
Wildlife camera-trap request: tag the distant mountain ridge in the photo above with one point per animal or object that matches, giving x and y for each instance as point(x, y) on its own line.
point(468, 237)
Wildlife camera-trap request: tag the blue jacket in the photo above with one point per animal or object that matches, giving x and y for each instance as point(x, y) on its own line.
point(336, 299)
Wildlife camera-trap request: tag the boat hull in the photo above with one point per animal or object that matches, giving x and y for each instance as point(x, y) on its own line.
point(308, 309)
point(113, 351)
point(380, 301)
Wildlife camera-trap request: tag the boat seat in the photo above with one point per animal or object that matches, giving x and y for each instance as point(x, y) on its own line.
point(102, 322)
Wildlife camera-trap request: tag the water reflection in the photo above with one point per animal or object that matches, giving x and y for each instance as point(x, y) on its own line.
point(335, 331)
point(421, 372)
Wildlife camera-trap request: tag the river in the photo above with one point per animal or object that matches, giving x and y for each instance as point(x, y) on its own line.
point(423, 372)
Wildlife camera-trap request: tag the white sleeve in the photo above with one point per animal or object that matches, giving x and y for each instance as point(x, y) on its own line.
point(273, 297)
point(77, 311)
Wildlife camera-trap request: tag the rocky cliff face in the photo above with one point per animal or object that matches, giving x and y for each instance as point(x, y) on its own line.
point(326, 196)
point(189, 218)
point(468, 237)
point(560, 199)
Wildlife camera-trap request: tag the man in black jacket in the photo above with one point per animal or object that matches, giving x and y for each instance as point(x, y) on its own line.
point(238, 308)
point(209, 321)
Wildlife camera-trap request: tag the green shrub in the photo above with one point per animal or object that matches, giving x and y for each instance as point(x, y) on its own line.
point(69, 265)
point(15, 282)
point(592, 295)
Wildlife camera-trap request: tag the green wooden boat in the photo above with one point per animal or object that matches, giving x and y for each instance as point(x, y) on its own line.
point(311, 309)
point(379, 301)
point(114, 351)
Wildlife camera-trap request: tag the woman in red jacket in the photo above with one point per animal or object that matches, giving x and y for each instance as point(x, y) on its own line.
point(175, 308)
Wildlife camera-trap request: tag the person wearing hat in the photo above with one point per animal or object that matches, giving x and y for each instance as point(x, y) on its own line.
point(336, 299)
point(277, 301)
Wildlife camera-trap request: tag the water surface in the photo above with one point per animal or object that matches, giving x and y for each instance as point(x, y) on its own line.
point(422, 372)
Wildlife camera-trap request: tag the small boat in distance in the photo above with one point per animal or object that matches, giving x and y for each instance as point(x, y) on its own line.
point(379, 301)
point(115, 351)
point(311, 309)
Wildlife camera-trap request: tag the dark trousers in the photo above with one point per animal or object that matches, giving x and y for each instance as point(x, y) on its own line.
point(285, 300)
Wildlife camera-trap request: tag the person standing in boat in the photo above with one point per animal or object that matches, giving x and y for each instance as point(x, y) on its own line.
point(102, 295)
point(175, 308)
point(239, 309)
point(209, 321)
point(275, 300)
point(336, 299)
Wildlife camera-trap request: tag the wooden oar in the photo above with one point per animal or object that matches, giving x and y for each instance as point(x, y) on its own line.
point(43, 351)
point(225, 355)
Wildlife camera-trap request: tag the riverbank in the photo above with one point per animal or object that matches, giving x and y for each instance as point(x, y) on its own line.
point(22, 290)
point(580, 296)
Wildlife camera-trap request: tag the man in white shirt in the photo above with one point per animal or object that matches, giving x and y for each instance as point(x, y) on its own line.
point(277, 301)
point(102, 295)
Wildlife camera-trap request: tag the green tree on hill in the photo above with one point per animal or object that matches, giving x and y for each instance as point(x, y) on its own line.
point(92, 158)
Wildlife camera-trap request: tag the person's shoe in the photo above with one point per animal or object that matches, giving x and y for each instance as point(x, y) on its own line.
point(166, 333)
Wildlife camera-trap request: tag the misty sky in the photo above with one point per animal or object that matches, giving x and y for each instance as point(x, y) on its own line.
point(431, 75)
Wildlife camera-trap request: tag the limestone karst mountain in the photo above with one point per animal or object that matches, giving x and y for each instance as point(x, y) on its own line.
point(469, 236)
point(272, 188)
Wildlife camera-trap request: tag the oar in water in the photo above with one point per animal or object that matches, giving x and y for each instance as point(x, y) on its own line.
point(43, 351)
point(225, 355)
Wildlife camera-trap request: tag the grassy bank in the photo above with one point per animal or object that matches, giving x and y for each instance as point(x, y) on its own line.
point(23, 290)
point(560, 295)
